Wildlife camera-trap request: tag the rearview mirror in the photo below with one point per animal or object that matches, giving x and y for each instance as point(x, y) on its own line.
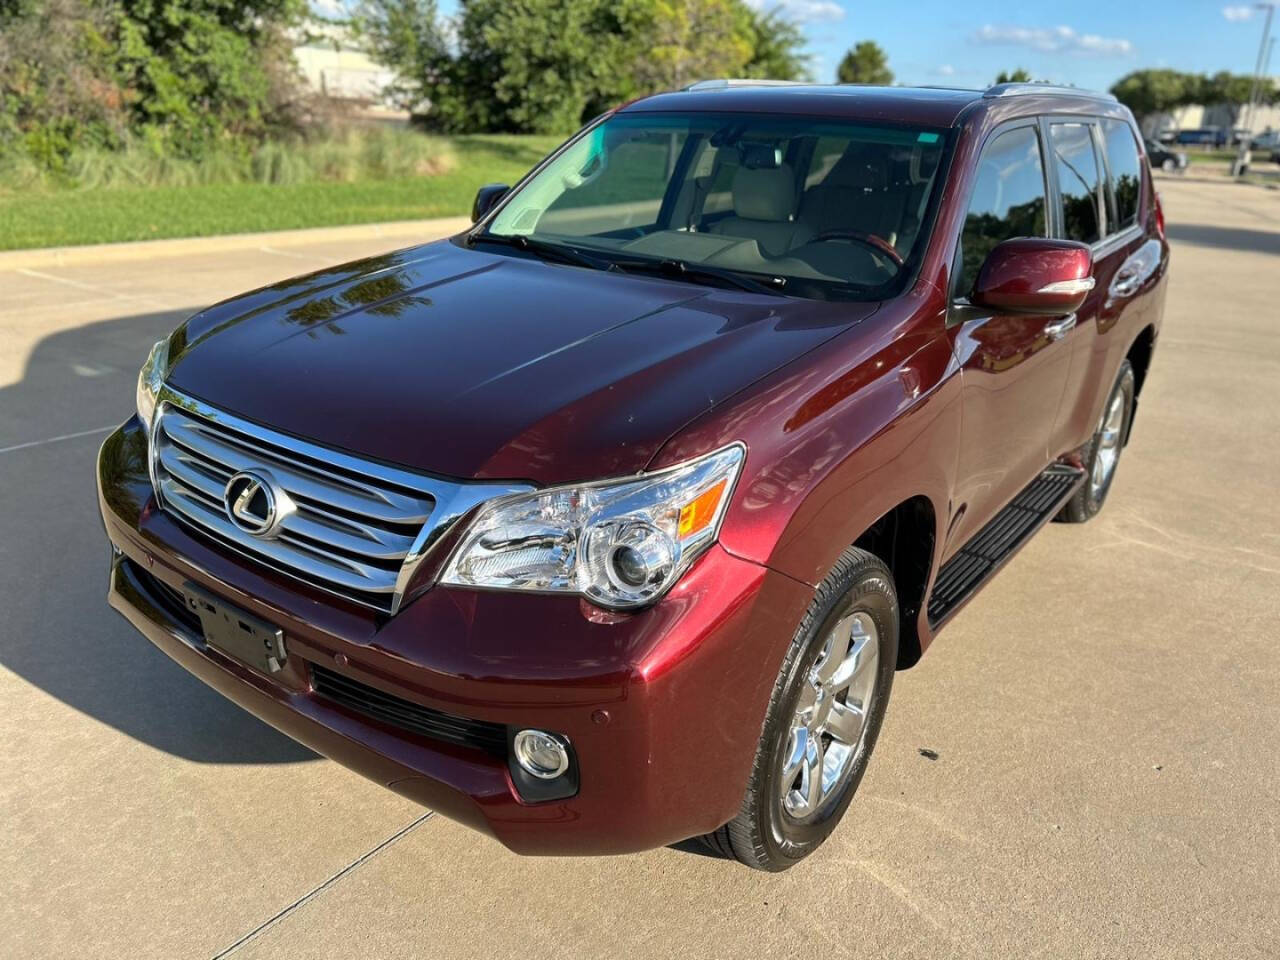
point(1035, 275)
point(487, 198)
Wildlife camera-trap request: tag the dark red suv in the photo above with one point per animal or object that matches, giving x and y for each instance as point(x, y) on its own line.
point(607, 523)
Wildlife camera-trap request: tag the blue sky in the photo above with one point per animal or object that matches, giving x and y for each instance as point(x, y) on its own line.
point(1088, 43)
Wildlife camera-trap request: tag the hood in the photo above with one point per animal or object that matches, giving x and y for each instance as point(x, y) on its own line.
point(471, 364)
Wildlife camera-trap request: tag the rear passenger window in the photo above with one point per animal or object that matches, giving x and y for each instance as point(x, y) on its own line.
point(1007, 202)
point(1077, 168)
point(1126, 175)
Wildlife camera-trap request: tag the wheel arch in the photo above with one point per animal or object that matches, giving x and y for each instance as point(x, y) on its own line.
point(905, 538)
point(1139, 355)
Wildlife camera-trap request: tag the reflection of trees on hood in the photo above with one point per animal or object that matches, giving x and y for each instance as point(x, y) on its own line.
point(385, 295)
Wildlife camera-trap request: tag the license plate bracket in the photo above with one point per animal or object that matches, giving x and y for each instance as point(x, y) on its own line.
point(235, 632)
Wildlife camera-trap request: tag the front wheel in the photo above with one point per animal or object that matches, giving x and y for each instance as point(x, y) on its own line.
point(1103, 452)
point(1168, 165)
point(823, 718)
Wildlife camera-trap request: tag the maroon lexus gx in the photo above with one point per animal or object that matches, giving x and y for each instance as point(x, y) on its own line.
point(607, 523)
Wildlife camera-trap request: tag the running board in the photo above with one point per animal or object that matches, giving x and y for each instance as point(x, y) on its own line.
point(986, 552)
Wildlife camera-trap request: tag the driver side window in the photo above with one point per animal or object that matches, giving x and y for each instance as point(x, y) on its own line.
point(1008, 201)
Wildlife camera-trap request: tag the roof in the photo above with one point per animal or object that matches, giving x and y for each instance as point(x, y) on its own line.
point(927, 106)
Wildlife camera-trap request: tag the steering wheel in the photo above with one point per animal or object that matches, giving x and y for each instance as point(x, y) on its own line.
point(878, 244)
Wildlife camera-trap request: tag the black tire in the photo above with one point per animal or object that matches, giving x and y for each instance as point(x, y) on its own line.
point(763, 836)
point(1168, 165)
point(1088, 500)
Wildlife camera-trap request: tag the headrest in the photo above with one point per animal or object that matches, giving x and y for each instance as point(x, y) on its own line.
point(764, 194)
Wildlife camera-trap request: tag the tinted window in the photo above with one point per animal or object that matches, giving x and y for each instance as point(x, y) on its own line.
point(1126, 176)
point(1007, 202)
point(1077, 166)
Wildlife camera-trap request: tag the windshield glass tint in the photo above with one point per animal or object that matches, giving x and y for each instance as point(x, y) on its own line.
point(837, 209)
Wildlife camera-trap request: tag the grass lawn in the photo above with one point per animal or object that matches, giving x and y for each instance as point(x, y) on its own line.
point(1201, 155)
point(54, 218)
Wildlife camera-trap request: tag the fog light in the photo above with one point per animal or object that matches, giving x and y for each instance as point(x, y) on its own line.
point(541, 754)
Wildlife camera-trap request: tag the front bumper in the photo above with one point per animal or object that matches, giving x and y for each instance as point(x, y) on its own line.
point(663, 707)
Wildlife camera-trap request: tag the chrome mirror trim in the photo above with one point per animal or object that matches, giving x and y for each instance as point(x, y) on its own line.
point(1069, 287)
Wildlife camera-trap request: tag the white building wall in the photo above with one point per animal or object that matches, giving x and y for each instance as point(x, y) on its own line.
point(333, 65)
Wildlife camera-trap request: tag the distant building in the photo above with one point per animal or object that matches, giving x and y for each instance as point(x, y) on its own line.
point(1222, 116)
point(335, 65)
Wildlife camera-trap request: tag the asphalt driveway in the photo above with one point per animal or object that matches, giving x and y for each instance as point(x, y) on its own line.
point(1106, 716)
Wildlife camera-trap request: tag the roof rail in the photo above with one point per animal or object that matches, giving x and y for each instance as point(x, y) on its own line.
point(1039, 89)
point(723, 83)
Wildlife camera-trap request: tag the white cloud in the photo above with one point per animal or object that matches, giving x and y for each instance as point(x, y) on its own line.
point(1053, 40)
point(1235, 14)
point(803, 11)
point(945, 70)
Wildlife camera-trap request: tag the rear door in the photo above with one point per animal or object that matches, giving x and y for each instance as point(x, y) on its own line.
point(1096, 174)
point(1012, 372)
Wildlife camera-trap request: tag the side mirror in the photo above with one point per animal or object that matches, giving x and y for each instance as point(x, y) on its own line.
point(1035, 275)
point(487, 198)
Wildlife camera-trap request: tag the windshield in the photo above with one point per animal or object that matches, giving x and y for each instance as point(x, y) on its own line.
point(807, 207)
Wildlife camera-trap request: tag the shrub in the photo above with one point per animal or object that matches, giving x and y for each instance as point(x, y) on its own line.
point(348, 155)
point(185, 75)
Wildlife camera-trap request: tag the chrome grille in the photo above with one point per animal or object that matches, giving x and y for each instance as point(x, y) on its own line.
point(360, 529)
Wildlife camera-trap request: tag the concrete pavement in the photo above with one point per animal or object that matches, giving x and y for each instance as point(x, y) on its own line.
point(1105, 714)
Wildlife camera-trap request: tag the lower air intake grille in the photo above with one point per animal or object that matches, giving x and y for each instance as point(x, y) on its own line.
point(396, 712)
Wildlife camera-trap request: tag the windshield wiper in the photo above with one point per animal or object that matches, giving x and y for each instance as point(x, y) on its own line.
point(540, 248)
point(683, 270)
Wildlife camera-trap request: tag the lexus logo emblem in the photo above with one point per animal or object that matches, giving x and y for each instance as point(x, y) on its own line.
point(256, 504)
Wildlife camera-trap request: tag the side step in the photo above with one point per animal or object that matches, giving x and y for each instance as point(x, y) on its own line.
point(988, 549)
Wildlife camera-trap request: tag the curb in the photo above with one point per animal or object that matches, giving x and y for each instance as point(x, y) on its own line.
point(408, 230)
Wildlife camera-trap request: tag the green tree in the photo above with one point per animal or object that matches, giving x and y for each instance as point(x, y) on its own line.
point(777, 46)
point(1155, 91)
point(203, 69)
point(1018, 75)
point(1232, 89)
point(527, 65)
point(682, 41)
point(545, 65)
point(57, 79)
point(407, 36)
point(865, 63)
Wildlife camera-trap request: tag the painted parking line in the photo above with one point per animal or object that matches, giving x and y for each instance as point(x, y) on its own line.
point(320, 888)
point(57, 439)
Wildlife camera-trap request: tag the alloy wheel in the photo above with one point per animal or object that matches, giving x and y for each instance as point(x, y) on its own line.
point(1109, 441)
point(830, 715)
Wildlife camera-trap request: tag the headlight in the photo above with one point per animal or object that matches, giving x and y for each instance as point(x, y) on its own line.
point(150, 379)
point(619, 543)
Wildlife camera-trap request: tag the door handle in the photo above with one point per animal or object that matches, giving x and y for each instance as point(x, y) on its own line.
point(1126, 282)
point(1057, 329)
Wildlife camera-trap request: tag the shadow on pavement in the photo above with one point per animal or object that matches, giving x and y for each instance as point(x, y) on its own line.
point(57, 632)
point(1224, 238)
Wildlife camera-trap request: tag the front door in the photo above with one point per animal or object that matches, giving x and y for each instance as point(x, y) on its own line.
point(1013, 367)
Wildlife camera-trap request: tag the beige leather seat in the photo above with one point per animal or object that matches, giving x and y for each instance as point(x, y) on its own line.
point(764, 207)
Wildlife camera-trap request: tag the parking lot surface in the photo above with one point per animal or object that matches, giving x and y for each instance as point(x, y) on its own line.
point(1106, 715)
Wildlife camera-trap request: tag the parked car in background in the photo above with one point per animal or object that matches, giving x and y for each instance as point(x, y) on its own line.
point(607, 522)
point(1162, 158)
point(1267, 140)
point(1204, 137)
